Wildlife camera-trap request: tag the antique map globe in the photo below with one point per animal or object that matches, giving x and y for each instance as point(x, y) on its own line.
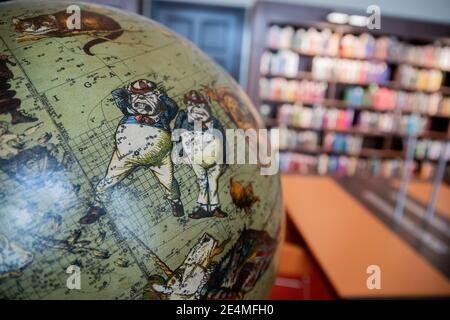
point(93, 203)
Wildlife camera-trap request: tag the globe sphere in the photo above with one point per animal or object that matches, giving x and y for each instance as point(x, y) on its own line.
point(114, 177)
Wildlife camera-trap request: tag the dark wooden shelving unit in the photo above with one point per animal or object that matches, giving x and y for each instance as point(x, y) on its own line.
point(386, 84)
point(371, 59)
point(267, 14)
point(340, 104)
point(429, 134)
point(365, 152)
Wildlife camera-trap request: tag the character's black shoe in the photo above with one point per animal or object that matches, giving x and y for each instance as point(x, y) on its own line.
point(19, 117)
point(93, 215)
point(199, 213)
point(177, 208)
point(218, 213)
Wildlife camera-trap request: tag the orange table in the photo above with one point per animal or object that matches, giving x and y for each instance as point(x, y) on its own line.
point(346, 238)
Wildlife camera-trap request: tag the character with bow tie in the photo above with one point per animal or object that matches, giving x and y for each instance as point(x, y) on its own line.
point(201, 144)
point(143, 139)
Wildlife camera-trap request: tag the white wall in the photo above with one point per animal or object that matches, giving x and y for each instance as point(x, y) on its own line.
point(428, 10)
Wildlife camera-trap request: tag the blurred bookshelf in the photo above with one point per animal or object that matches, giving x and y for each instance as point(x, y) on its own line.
point(346, 99)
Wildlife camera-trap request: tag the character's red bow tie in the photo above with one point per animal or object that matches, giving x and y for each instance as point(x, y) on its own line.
point(142, 118)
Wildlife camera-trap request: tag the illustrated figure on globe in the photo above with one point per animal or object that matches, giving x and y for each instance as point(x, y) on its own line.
point(143, 139)
point(204, 150)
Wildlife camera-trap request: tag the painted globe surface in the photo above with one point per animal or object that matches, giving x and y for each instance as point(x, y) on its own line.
point(93, 203)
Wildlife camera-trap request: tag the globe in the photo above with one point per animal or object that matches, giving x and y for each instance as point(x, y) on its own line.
point(100, 199)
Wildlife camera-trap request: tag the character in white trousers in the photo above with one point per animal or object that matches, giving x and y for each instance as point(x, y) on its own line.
point(202, 140)
point(143, 139)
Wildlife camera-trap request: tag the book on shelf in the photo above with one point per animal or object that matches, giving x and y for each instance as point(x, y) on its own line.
point(364, 46)
point(333, 93)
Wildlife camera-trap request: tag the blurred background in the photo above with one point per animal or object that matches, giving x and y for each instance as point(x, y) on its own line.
point(360, 91)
